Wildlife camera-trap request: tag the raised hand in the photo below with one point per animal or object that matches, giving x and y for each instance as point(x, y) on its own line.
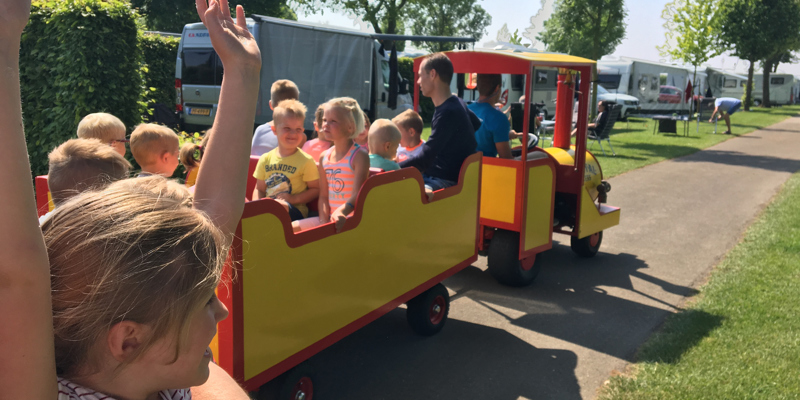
point(234, 44)
point(13, 18)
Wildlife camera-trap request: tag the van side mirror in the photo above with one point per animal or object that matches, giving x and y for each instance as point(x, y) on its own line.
point(404, 87)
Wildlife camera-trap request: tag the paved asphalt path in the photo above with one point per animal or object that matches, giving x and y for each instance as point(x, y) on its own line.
point(582, 319)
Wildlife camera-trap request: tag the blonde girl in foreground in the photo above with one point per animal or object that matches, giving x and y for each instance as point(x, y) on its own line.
point(134, 267)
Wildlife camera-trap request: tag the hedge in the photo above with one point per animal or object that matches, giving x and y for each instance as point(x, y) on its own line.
point(77, 57)
point(405, 65)
point(158, 71)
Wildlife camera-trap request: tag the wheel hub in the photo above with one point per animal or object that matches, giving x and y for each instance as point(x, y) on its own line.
point(304, 389)
point(436, 313)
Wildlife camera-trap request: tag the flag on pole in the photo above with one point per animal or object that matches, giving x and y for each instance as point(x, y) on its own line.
point(688, 94)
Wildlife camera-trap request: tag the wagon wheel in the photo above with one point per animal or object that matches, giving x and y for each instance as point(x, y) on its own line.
point(295, 384)
point(427, 312)
point(504, 263)
point(588, 246)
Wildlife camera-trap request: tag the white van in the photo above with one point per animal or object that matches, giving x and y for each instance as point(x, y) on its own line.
point(780, 88)
point(324, 62)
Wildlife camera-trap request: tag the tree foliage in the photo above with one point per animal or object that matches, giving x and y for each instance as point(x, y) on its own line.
point(690, 33)
point(383, 15)
point(172, 15)
point(585, 28)
point(447, 18)
point(758, 30)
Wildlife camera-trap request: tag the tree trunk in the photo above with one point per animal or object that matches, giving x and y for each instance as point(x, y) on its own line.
point(765, 84)
point(748, 92)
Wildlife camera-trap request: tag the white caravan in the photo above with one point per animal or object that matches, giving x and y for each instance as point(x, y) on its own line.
point(659, 87)
point(780, 88)
point(725, 83)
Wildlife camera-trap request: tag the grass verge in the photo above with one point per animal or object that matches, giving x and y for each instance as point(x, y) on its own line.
point(741, 338)
point(636, 145)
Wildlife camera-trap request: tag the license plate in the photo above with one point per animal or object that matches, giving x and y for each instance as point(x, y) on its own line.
point(200, 111)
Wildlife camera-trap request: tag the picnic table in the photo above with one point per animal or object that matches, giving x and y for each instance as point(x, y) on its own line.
point(668, 123)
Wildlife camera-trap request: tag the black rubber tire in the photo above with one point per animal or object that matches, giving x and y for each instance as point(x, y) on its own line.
point(286, 386)
point(504, 263)
point(427, 313)
point(583, 247)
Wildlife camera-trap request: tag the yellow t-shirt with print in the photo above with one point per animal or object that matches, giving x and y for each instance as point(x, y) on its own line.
point(287, 174)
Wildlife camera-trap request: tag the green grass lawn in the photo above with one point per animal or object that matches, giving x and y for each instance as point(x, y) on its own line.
point(741, 338)
point(636, 145)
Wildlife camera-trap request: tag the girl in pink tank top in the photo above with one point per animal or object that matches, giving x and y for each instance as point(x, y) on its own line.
point(343, 168)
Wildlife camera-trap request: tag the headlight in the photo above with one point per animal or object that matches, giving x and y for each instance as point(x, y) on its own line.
point(631, 102)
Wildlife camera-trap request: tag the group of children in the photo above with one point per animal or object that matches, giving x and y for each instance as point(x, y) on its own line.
point(113, 296)
point(331, 167)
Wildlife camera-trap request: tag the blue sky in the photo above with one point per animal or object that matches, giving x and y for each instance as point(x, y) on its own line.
point(644, 31)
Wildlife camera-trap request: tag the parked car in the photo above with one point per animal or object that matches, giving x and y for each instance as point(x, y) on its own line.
point(629, 103)
point(669, 95)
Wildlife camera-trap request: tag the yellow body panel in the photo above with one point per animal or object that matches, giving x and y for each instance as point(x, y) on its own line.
point(592, 176)
point(591, 220)
point(50, 205)
point(294, 297)
point(538, 228)
point(498, 193)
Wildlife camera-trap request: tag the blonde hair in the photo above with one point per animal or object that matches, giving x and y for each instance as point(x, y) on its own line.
point(289, 108)
point(353, 113)
point(318, 115)
point(281, 90)
point(102, 126)
point(134, 251)
point(409, 119)
point(150, 141)
point(189, 155)
point(382, 131)
point(78, 165)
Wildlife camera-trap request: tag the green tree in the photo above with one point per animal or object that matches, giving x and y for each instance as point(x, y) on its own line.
point(172, 15)
point(585, 28)
point(758, 30)
point(690, 34)
point(447, 18)
point(383, 15)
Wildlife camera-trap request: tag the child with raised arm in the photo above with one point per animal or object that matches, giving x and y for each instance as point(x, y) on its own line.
point(384, 137)
point(343, 168)
point(286, 173)
point(132, 268)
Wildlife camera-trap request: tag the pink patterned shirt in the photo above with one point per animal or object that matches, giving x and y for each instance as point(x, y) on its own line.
point(72, 391)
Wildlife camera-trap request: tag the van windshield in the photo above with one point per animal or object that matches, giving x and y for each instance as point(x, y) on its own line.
point(201, 67)
point(610, 82)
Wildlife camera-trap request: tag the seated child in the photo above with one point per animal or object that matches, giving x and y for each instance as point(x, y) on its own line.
point(155, 148)
point(190, 156)
point(315, 147)
point(410, 125)
point(384, 137)
point(286, 173)
point(343, 168)
point(362, 138)
point(263, 139)
point(104, 127)
point(78, 165)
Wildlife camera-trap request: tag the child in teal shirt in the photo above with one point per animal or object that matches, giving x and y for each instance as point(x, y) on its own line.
point(383, 140)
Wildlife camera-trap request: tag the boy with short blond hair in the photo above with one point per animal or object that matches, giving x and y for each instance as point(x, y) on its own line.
point(410, 125)
point(263, 139)
point(104, 127)
point(78, 165)
point(384, 137)
point(156, 149)
point(286, 173)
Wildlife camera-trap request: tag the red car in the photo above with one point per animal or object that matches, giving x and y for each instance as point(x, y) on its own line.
point(670, 95)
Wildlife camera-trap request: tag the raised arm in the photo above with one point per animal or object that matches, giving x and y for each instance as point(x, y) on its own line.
point(222, 178)
point(27, 364)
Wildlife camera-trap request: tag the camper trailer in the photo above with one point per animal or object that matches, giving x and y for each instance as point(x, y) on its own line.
point(726, 84)
point(659, 87)
point(780, 88)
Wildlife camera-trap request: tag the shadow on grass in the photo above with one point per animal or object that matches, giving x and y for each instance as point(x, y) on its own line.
point(679, 334)
point(746, 160)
